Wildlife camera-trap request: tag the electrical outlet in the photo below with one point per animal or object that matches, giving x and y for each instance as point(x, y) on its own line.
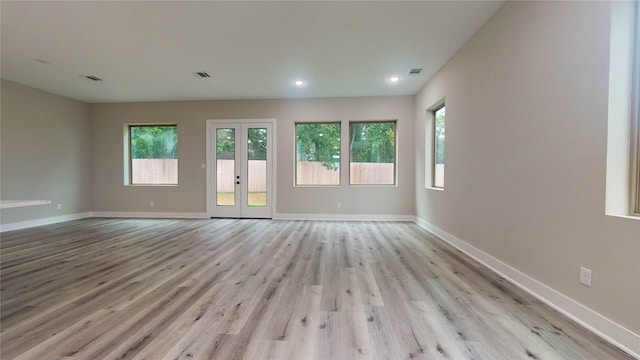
point(585, 276)
point(339, 205)
point(152, 203)
point(60, 206)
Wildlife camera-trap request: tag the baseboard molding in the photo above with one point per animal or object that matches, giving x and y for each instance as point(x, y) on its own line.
point(343, 217)
point(195, 215)
point(150, 215)
point(44, 221)
point(607, 329)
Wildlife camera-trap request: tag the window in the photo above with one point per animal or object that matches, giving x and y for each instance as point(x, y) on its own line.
point(635, 114)
point(438, 147)
point(153, 155)
point(623, 130)
point(372, 153)
point(318, 154)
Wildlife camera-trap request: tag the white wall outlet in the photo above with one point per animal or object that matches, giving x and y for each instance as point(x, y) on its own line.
point(585, 276)
point(339, 205)
point(152, 203)
point(60, 206)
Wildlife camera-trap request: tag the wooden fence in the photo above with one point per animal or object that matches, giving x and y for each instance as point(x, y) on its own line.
point(314, 173)
point(154, 171)
point(372, 173)
point(165, 171)
point(257, 178)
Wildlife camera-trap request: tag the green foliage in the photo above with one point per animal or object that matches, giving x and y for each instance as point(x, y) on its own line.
point(372, 142)
point(154, 142)
point(319, 142)
point(439, 136)
point(256, 144)
point(225, 144)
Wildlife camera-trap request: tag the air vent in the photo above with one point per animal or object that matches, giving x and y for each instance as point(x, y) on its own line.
point(414, 71)
point(203, 74)
point(92, 77)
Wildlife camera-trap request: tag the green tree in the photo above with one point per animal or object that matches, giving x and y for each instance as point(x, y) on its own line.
point(154, 142)
point(225, 144)
point(257, 143)
point(372, 142)
point(319, 142)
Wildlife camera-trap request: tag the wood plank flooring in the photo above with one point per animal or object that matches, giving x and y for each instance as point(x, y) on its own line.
point(261, 289)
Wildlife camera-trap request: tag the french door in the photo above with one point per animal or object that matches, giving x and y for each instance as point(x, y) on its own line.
point(240, 169)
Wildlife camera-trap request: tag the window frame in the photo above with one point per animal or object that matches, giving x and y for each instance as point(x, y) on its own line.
point(395, 150)
point(430, 145)
point(634, 121)
point(295, 152)
point(434, 110)
point(129, 157)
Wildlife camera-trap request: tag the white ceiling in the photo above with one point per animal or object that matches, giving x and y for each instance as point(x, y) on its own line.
point(150, 51)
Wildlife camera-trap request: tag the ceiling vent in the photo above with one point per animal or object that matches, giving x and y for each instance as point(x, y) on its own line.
point(202, 74)
point(92, 77)
point(414, 71)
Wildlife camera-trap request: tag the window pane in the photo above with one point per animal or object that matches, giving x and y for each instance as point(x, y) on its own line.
point(154, 154)
point(225, 167)
point(318, 154)
point(372, 147)
point(257, 167)
point(438, 148)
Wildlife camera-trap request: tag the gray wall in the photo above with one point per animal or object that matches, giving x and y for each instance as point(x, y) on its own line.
point(45, 150)
point(110, 193)
point(526, 132)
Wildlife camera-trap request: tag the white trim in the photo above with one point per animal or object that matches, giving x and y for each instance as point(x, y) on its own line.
point(343, 217)
point(7, 204)
point(272, 158)
point(44, 221)
point(607, 329)
point(150, 215)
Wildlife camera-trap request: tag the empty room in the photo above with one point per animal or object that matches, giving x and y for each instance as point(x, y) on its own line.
point(320, 180)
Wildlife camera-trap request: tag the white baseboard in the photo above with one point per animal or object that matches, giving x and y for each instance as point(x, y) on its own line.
point(150, 215)
point(609, 330)
point(44, 221)
point(343, 217)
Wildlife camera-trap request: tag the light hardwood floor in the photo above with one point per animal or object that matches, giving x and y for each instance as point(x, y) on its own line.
point(260, 289)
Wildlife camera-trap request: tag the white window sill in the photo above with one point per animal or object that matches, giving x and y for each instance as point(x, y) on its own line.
point(435, 188)
point(631, 217)
point(6, 204)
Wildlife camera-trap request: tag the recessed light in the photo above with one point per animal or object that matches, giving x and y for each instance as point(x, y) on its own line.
point(299, 83)
point(394, 79)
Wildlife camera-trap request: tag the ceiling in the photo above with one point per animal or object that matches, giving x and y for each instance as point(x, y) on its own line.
point(150, 51)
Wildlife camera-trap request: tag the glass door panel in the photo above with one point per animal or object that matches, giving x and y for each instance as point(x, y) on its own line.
point(257, 167)
point(225, 167)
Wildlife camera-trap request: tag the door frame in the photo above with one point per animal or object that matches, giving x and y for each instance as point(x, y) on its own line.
point(210, 158)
